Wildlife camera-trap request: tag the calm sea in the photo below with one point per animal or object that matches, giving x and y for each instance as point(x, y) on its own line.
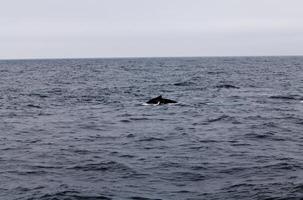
point(79, 129)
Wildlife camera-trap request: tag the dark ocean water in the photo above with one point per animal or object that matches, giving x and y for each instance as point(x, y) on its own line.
point(78, 129)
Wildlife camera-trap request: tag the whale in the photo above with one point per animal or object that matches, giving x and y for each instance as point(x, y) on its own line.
point(159, 101)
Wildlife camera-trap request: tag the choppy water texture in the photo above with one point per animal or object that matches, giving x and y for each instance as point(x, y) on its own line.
point(78, 129)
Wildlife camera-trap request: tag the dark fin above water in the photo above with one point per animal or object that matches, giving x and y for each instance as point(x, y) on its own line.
point(159, 100)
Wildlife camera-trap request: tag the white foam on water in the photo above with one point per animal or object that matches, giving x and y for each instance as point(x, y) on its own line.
point(147, 104)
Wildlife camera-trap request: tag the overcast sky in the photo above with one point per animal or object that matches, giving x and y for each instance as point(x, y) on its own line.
point(136, 28)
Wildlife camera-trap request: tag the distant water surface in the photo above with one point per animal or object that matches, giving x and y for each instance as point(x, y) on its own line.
point(78, 129)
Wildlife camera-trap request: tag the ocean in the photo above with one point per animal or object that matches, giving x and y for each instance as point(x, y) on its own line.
point(80, 129)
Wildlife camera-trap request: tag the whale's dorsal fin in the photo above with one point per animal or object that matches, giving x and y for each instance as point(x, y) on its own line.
point(159, 100)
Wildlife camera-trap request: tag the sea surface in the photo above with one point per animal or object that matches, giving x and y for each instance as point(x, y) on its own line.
point(78, 129)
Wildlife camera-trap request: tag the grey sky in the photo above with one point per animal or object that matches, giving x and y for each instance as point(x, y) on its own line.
point(127, 28)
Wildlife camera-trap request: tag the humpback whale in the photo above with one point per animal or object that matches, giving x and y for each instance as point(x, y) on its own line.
point(159, 100)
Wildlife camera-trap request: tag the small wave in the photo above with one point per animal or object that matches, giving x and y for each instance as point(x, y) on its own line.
point(81, 151)
point(238, 186)
point(258, 136)
point(102, 166)
point(138, 118)
point(169, 164)
point(46, 167)
point(33, 106)
point(38, 95)
point(142, 198)
point(289, 166)
point(150, 139)
point(126, 156)
point(56, 91)
point(23, 189)
point(29, 172)
point(74, 195)
point(232, 170)
point(131, 135)
point(220, 118)
point(185, 83)
point(298, 188)
point(215, 72)
point(185, 176)
point(267, 135)
point(209, 141)
point(287, 97)
point(125, 121)
point(227, 86)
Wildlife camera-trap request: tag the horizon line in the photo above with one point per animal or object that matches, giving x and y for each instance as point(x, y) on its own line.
point(144, 57)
